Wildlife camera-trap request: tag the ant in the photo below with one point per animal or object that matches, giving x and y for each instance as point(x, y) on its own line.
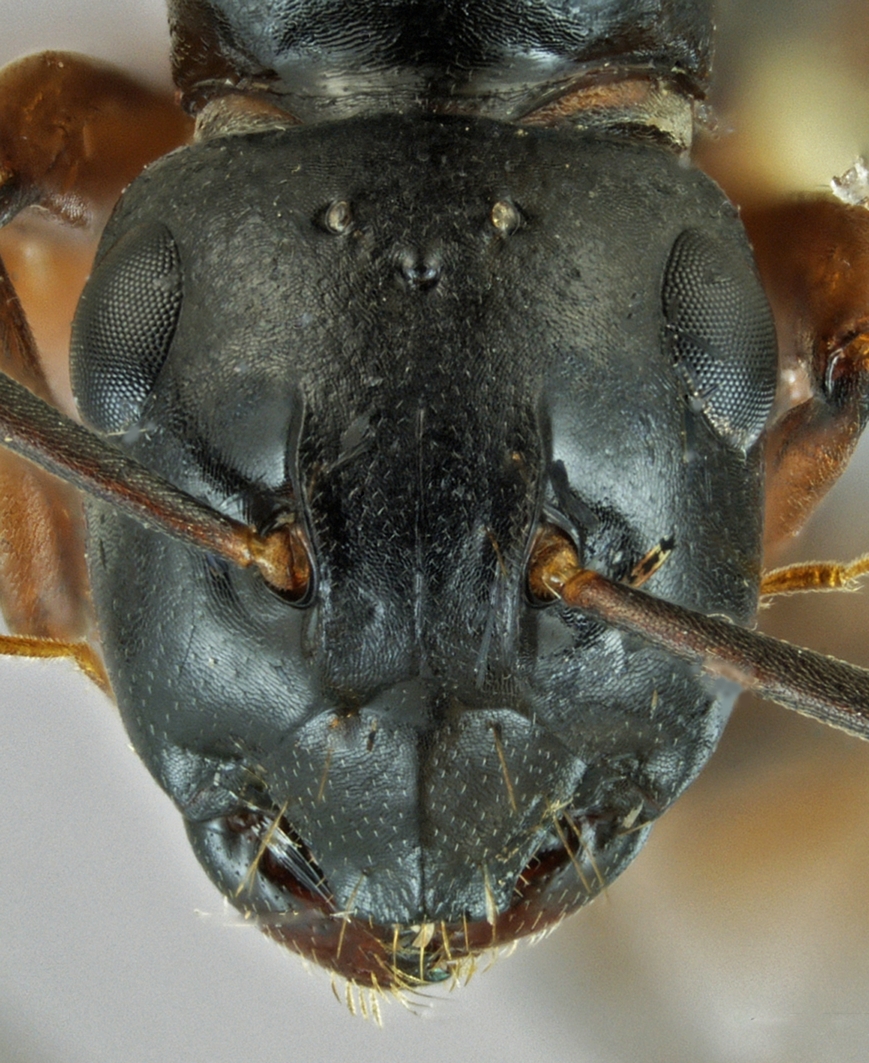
point(555, 566)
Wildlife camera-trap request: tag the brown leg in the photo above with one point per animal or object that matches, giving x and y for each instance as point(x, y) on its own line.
point(82, 654)
point(43, 584)
point(48, 262)
point(813, 256)
point(75, 132)
point(814, 576)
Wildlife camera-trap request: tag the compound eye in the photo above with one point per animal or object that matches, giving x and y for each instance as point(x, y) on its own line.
point(124, 326)
point(721, 335)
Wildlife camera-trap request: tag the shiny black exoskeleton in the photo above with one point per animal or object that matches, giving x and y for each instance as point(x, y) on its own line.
point(328, 58)
point(422, 335)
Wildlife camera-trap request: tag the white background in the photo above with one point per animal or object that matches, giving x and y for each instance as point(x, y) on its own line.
point(741, 933)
